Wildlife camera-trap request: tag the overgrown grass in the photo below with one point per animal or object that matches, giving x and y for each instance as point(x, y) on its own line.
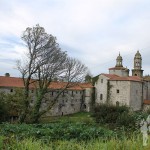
point(135, 143)
point(84, 117)
point(72, 132)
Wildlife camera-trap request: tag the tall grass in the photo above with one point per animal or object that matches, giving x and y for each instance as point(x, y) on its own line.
point(135, 143)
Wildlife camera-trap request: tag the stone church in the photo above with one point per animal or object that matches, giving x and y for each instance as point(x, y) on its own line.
point(118, 88)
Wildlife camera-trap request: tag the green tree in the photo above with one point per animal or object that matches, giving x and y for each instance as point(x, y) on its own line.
point(10, 104)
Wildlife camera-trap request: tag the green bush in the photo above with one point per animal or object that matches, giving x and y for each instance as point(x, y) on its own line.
point(105, 113)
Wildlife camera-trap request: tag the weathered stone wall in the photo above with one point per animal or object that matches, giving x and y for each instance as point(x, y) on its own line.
point(122, 73)
point(101, 89)
point(137, 95)
point(87, 99)
point(148, 90)
point(69, 102)
point(120, 92)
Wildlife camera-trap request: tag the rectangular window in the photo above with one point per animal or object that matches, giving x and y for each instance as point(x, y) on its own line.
point(101, 96)
point(101, 80)
point(52, 93)
point(11, 90)
point(72, 93)
point(117, 91)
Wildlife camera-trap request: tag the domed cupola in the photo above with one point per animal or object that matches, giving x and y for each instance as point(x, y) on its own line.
point(119, 61)
point(137, 71)
point(137, 61)
point(138, 56)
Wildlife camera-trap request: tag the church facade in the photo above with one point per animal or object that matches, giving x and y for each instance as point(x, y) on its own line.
point(118, 88)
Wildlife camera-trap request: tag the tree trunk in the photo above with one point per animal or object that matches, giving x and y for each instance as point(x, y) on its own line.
point(36, 110)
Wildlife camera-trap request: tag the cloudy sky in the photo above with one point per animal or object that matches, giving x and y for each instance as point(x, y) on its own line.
point(94, 31)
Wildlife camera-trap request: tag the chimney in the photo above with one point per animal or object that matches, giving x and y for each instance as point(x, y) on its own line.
point(7, 75)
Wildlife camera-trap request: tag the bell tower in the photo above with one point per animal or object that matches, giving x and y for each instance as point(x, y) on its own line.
point(137, 71)
point(119, 61)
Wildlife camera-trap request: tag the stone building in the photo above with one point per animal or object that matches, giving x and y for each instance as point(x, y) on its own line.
point(119, 88)
point(74, 99)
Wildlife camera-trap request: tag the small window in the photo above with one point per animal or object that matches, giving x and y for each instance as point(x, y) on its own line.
point(72, 93)
point(76, 92)
point(101, 96)
point(101, 80)
point(11, 90)
point(117, 91)
point(32, 91)
point(117, 103)
point(52, 93)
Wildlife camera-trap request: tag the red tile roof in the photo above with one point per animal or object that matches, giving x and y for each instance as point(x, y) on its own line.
point(130, 78)
point(118, 68)
point(110, 75)
point(147, 102)
point(113, 77)
point(18, 82)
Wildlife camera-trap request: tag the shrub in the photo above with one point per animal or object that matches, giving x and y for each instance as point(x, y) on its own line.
point(105, 113)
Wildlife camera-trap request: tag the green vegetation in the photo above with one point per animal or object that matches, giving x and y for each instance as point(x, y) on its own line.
point(109, 128)
point(81, 117)
point(135, 143)
point(118, 116)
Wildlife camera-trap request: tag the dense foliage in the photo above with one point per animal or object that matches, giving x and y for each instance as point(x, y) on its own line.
point(56, 131)
point(118, 116)
point(10, 104)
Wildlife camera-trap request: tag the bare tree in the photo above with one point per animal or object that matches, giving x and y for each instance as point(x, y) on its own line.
point(44, 62)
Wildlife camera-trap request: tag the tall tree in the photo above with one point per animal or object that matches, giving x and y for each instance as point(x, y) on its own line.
point(44, 62)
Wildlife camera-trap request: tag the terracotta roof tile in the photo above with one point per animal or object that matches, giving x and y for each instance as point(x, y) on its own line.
point(110, 75)
point(18, 82)
point(118, 68)
point(130, 78)
point(147, 102)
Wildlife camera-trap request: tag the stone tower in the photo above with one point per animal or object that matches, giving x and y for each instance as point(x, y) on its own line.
point(119, 69)
point(119, 61)
point(137, 71)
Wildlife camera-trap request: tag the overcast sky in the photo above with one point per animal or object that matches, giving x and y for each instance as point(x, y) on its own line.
point(94, 31)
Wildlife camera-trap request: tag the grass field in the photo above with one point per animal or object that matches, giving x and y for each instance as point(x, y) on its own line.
point(73, 132)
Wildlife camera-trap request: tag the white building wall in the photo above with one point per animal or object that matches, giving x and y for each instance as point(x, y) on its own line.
point(101, 88)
